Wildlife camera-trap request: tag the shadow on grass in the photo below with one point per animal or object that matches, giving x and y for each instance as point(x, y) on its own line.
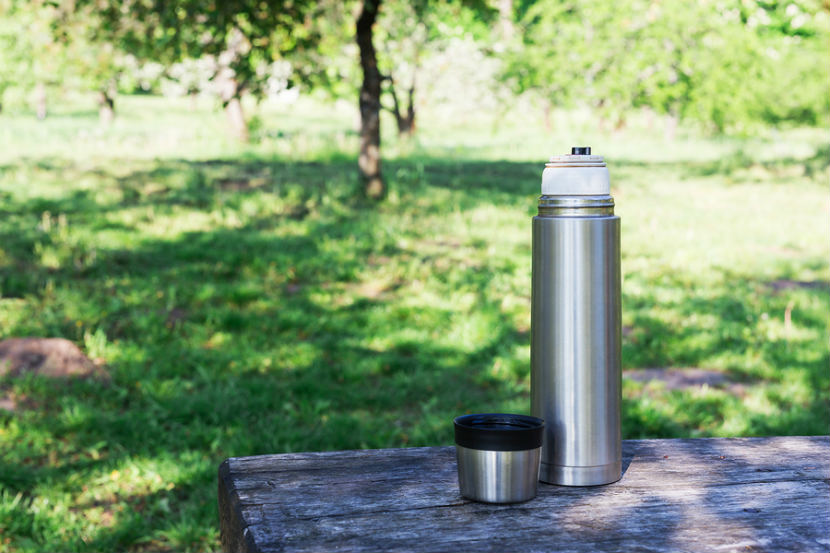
point(744, 328)
point(228, 342)
point(739, 162)
point(257, 335)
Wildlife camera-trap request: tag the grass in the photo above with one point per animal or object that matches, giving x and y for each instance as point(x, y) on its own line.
point(245, 302)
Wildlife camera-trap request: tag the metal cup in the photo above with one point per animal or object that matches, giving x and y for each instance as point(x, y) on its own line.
point(498, 456)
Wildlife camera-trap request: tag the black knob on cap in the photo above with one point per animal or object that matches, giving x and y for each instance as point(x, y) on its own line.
point(581, 151)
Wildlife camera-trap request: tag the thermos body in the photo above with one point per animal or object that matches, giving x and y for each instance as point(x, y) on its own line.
point(575, 338)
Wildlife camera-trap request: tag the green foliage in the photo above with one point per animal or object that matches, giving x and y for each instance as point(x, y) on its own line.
point(15, 66)
point(331, 67)
point(244, 36)
point(728, 65)
point(42, 44)
point(413, 34)
point(244, 303)
point(28, 51)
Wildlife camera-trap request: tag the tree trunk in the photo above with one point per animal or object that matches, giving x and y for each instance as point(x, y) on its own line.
point(369, 158)
point(506, 29)
point(231, 94)
point(649, 116)
point(405, 121)
point(670, 132)
point(546, 108)
point(408, 123)
point(106, 108)
point(40, 100)
point(236, 119)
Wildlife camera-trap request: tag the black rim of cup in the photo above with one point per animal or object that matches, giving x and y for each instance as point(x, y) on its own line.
point(499, 432)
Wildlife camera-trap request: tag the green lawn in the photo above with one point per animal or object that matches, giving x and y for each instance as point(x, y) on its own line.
point(244, 302)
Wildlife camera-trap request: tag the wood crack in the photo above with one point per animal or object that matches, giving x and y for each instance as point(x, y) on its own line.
point(383, 511)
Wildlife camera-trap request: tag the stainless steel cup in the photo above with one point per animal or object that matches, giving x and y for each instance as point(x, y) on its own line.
point(498, 456)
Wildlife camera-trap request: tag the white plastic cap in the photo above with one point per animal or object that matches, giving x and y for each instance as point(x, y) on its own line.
point(576, 175)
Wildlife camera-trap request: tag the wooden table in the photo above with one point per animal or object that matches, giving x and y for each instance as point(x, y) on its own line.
point(708, 494)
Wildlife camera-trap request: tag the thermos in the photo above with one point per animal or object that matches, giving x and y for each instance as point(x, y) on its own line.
point(575, 322)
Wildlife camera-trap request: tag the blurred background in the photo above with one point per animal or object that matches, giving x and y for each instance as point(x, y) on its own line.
point(264, 226)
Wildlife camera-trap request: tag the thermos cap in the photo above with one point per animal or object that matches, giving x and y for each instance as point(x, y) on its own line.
point(577, 174)
point(499, 431)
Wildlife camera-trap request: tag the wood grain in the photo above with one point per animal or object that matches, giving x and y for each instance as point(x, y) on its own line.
point(711, 494)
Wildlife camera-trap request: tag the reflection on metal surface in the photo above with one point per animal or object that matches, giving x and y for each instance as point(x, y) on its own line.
point(498, 476)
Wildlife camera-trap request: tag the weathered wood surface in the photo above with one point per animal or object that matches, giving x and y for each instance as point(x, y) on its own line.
point(710, 494)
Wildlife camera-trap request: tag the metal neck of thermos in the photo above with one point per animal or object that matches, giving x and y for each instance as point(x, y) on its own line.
point(576, 206)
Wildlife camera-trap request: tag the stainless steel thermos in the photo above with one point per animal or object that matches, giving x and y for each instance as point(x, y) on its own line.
point(575, 322)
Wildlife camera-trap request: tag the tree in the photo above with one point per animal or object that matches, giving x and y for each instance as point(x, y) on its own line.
point(406, 29)
point(411, 32)
point(791, 44)
point(44, 47)
point(716, 64)
point(30, 57)
point(244, 37)
point(368, 160)
point(96, 66)
point(15, 61)
point(403, 35)
point(571, 53)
